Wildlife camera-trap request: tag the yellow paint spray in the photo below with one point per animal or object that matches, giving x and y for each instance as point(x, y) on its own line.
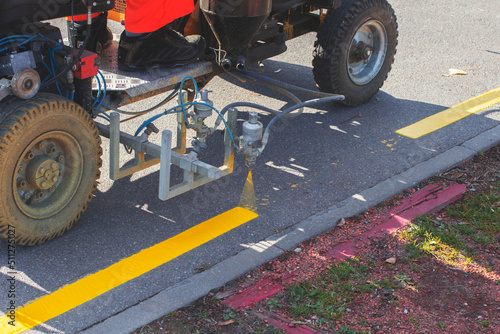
point(247, 199)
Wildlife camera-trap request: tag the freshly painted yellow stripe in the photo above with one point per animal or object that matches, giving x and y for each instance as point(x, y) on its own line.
point(448, 116)
point(87, 288)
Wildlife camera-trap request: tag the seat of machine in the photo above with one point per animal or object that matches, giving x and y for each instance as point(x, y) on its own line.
point(139, 85)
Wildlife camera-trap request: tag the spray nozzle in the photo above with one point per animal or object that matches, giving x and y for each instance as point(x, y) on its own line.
point(250, 139)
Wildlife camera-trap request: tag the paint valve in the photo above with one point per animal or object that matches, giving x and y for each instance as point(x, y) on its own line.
point(250, 141)
point(202, 110)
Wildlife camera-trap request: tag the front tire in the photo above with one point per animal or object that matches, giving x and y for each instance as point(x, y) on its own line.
point(50, 155)
point(355, 49)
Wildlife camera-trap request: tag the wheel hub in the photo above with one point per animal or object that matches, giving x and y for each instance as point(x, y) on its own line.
point(367, 52)
point(48, 174)
point(43, 173)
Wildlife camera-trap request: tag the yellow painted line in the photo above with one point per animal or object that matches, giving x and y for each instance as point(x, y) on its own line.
point(451, 115)
point(87, 288)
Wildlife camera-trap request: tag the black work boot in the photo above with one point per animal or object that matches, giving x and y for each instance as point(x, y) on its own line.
point(100, 35)
point(161, 48)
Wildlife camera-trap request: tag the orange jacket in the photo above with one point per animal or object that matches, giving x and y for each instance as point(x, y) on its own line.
point(150, 15)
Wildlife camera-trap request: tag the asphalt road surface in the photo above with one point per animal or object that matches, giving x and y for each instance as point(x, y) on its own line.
point(312, 162)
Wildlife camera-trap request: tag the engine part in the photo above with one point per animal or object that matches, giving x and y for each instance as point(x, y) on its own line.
point(25, 83)
point(234, 23)
point(250, 140)
point(14, 62)
point(86, 66)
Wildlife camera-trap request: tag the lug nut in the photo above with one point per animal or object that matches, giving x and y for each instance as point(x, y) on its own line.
point(27, 195)
point(41, 145)
point(60, 158)
point(52, 189)
point(51, 149)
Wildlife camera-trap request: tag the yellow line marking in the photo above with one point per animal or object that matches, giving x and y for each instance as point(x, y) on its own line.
point(451, 115)
point(87, 288)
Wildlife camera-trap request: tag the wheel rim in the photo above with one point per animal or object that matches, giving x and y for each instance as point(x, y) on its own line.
point(48, 175)
point(367, 52)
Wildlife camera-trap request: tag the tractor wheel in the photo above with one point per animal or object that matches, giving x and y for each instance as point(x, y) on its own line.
point(355, 49)
point(50, 155)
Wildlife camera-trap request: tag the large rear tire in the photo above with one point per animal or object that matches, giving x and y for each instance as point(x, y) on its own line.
point(355, 49)
point(50, 155)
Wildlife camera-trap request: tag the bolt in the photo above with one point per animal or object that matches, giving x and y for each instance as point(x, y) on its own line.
point(54, 166)
point(43, 184)
point(60, 158)
point(27, 195)
point(30, 155)
point(42, 171)
point(21, 183)
point(41, 145)
point(54, 178)
point(51, 149)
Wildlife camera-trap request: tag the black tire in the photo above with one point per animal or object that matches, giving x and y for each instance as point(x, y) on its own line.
point(50, 155)
point(355, 68)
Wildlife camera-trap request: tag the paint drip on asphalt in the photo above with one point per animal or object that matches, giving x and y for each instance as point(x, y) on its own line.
point(247, 199)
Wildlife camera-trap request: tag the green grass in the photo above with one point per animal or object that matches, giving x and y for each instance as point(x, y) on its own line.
point(475, 218)
point(481, 211)
point(445, 241)
point(328, 296)
point(484, 323)
point(441, 325)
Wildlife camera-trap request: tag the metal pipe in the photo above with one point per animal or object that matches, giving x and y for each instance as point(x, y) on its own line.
point(241, 63)
point(286, 85)
point(226, 64)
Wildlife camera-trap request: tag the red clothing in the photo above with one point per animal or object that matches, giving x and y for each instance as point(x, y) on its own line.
point(149, 15)
point(81, 17)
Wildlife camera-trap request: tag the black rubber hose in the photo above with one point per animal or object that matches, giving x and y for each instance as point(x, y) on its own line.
point(265, 137)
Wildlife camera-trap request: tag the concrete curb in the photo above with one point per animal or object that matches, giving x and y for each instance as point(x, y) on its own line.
point(201, 284)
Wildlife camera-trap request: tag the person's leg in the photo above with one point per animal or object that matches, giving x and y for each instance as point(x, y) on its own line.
point(146, 43)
